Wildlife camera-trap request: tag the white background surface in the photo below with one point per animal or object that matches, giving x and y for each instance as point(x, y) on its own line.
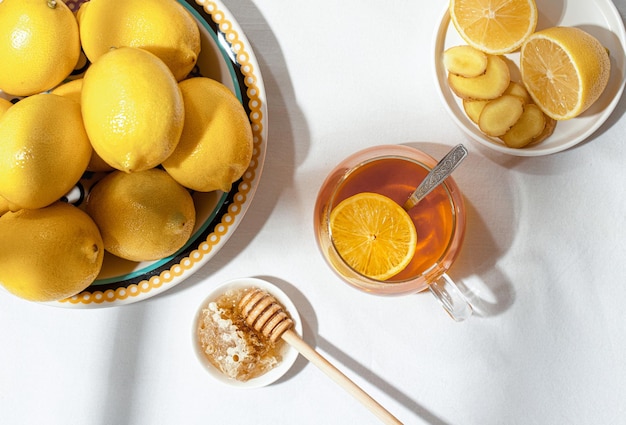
point(543, 259)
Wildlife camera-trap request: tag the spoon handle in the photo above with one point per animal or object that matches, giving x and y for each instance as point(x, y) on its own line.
point(437, 175)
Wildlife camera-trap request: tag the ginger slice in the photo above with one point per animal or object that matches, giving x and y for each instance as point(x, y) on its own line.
point(500, 114)
point(465, 61)
point(473, 108)
point(489, 85)
point(518, 89)
point(548, 129)
point(529, 125)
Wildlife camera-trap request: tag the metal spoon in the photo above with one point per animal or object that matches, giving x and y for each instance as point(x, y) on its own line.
point(437, 175)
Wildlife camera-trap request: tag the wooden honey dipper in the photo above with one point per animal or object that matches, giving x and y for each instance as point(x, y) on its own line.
point(262, 312)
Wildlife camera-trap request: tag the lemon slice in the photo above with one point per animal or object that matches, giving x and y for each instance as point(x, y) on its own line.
point(565, 70)
point(373, 235)
point(494, 26)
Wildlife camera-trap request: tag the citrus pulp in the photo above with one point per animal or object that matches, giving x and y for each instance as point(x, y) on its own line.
point(373, 235)
point(494, 26)
point(565, 70)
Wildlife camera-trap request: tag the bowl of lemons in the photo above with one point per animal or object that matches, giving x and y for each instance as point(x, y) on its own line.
point(136, 134)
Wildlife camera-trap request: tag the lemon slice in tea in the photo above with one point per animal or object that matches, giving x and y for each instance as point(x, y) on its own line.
point(373, 235)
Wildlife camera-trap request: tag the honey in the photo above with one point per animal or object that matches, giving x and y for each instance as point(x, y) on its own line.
point(230, 344)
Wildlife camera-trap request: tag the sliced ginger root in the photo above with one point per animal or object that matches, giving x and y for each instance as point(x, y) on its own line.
point(500, 114)
point(500, 107)
point(465, 61)
point(529, 125)
point(517, 89)
point(473, 108)
point(489, 85)
point(548, 129)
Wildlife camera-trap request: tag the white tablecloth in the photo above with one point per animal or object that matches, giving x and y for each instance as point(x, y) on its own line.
point(543, 261)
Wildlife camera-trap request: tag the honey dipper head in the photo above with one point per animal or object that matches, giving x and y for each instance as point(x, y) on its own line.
point(263, 313)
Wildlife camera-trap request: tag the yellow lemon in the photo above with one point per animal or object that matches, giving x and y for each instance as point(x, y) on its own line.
point(4, 206)
point(565, 70)
point(215, 147)
point(142, 216)
point(494, 26)
point(4, 105)
point(73, 90)
point(373, 235)
point(44, 150)
point(133, 109)
point(39, 45)
point(163, 27)
point(49, 253)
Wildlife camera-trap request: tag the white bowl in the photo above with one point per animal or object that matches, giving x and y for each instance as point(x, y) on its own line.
point(598, 17)
point(289, 354)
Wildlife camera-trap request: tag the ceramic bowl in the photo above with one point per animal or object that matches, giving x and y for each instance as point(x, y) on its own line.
point(288, 353)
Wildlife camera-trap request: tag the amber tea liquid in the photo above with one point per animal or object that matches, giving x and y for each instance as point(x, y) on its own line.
point(433, 216)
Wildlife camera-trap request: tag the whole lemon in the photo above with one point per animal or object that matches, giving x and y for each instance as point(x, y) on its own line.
point(72, 90)
point(4, 206)
point(39, 45)
point(143, 216)
point(133, 109)
point(50, 253)
point(44, 150)
point(4, 105)
point(215, 148)
point(163, 27)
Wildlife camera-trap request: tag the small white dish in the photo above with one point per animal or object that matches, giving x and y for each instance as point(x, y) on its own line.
point(598, 17)
point(288, 353)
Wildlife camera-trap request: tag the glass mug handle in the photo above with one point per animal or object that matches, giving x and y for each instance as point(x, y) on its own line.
point(451, 298)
